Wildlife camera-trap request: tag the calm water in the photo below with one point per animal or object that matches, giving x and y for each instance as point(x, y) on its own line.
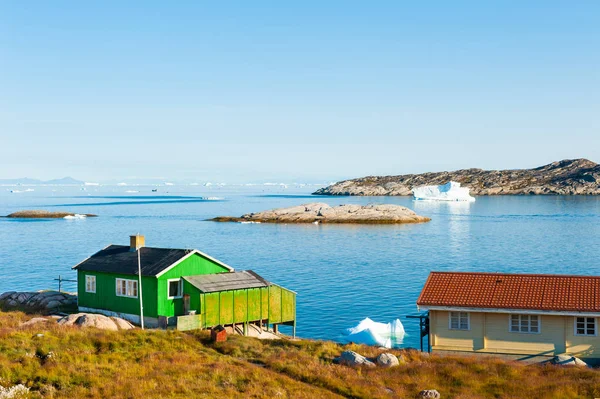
point(341, 273)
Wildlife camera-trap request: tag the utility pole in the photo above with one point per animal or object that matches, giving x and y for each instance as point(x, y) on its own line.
point(138, 250)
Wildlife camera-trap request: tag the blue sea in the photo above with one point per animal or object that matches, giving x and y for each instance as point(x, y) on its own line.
point(342, 274)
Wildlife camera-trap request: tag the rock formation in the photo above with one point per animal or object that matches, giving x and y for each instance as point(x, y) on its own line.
point(353, 359)
point(39, 301)
point(568, 177)
point(387, 360)
point(96, 320)
point(322, 213)
point(40, 214)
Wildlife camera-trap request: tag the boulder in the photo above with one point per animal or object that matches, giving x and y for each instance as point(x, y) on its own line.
point(429, 393)
point(567, 360)
point(122, 324)
point(95, 320)
point(353, 359)
point(43, 300)
point(70, 319)
point(6, 295)
point(387, 360)
point(53, 304)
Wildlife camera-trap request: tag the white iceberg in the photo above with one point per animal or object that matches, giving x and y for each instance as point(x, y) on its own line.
point(370, 332)
point(451, 191)
point(75, 216)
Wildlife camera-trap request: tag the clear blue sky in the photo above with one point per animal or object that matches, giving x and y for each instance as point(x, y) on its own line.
point(315, 90)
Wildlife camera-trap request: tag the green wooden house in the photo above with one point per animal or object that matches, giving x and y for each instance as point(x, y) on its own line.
point(178, 286)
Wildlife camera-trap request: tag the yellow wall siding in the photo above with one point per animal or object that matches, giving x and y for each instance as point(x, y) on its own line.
point(550, 341)
point(581, 346)
point(489, 332)
point(444, 337)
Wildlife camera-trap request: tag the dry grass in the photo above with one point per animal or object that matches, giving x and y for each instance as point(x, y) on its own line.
point(166, 364)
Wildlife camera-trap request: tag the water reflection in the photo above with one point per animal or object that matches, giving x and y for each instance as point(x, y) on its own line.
point(457, 213)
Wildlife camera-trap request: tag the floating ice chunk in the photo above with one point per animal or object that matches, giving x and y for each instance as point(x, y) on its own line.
point(451, 191)
point(370, 332)
point(75, 216)
point(369, 337)
point(131, 191)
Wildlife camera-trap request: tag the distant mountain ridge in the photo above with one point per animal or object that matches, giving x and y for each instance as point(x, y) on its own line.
point(28, 181)
point(567, 177)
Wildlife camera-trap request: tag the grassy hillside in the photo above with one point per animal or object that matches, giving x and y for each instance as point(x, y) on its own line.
point(68, 362)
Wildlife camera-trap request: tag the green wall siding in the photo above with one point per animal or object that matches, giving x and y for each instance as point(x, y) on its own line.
point(276, 304)
point(106, 295)
point(192, 266)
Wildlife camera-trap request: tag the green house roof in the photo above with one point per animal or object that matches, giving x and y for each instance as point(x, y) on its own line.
point(227, 281)
point(154, 261)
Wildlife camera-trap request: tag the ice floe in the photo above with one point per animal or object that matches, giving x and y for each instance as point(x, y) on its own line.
point(451, 191)
point(370, 332)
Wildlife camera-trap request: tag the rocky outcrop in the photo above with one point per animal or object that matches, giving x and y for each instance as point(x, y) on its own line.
point(568, 177)
point(323, 213)
point(38, 301)
point(95, 320)
point(387, 360)
point(39, 214)
point(353, 359)
point(567, 360)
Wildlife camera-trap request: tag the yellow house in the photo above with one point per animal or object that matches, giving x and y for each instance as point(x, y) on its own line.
point(521, 314)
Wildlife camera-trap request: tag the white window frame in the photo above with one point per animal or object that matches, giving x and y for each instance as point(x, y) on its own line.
point(89, 281)
point(180, 289)
point(586, 320)
point(129, 288)
point(528, 317)
point(459, 329)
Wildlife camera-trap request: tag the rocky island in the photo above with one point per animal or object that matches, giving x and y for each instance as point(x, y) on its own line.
point(567, 177)
point(323, 213)
point(39, 214)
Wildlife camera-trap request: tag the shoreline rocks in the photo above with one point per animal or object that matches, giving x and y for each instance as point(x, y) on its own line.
point(41, 300)
point(567, 177)
point(323, 213)
point(41, 214)
point(96, 320)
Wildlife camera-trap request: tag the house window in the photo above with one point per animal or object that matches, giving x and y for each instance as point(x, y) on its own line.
point(524, 323)
point(459, 321)
point(90, 284)
point(127, 288)
point(585, 326)
point(175, 288)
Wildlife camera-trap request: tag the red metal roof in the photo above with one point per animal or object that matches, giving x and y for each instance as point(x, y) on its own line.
point(549, 292)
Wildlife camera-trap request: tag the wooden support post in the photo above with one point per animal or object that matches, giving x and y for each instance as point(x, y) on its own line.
point(294, 330)
point(275, 328)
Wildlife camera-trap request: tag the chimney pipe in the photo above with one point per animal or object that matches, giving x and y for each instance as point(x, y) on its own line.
point(136, 242)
